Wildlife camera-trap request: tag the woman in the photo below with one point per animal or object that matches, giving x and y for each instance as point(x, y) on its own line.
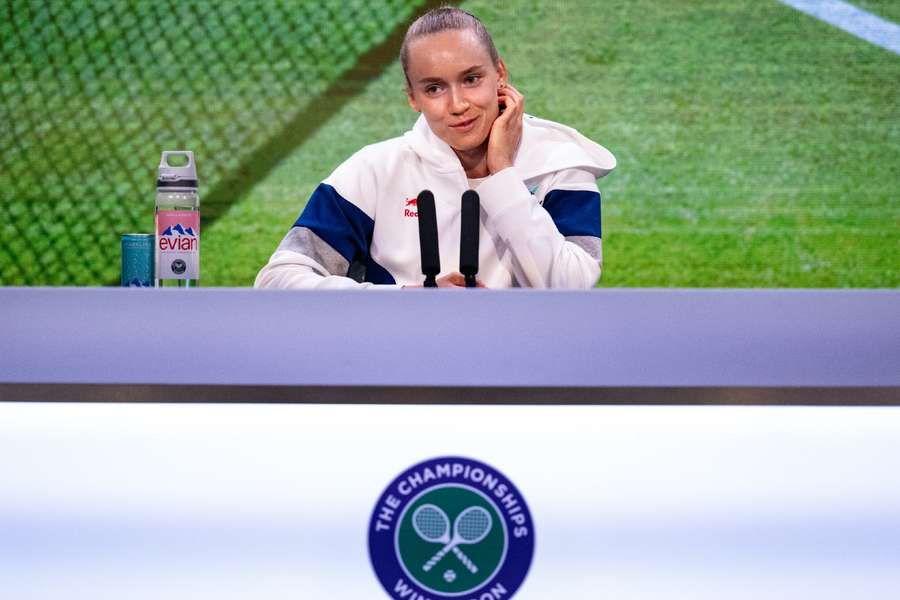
point(540, 206)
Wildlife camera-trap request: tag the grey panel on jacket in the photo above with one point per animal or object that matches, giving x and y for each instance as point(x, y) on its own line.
point(304, 241)
point(590, 244)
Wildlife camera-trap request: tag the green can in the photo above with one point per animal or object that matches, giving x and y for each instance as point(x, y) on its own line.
point(138, 263)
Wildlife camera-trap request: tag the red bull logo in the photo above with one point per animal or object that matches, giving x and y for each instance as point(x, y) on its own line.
point(413, 202)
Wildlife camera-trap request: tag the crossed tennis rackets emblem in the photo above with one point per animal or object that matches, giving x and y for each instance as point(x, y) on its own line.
point(470, 527)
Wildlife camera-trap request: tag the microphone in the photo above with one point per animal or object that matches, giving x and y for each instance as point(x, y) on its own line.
point(468, 236)
point(428, 237)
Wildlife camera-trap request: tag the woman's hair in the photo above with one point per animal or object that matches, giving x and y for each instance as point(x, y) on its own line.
point(444, 19)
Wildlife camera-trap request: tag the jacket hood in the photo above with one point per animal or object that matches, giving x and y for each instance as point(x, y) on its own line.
point(546, 147)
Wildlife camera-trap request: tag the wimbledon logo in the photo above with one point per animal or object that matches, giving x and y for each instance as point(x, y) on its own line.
point(451, 528)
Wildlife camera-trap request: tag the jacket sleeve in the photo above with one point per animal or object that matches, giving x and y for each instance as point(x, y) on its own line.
point(328, 246)
point(555, 243)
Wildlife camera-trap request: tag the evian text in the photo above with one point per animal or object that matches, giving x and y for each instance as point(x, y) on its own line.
point(182, 243)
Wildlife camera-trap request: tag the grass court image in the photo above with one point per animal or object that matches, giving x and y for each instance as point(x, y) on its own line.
point(757, 146)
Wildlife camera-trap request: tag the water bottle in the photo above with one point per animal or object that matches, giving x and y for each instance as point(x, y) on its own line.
point(177, 221)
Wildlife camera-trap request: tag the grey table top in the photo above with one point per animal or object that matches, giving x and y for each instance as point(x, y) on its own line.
point(463, 338)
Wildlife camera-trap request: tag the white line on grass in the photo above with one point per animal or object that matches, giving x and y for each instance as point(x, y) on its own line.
point(853, 20)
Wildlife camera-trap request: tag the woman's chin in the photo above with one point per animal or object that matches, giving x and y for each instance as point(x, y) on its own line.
point(467, 143)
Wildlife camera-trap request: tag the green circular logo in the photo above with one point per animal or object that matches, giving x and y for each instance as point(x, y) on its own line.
point(451, 528)
point(451, 539)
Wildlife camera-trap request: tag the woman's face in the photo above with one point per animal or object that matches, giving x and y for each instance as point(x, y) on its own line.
point(454, 83)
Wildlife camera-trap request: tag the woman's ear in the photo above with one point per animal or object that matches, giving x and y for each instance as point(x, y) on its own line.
point(503, 74)
point(412, 101)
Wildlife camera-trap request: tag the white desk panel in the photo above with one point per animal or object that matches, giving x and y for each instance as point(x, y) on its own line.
point(146, 501)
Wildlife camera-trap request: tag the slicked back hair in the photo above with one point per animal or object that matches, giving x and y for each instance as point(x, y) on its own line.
point(446, 18)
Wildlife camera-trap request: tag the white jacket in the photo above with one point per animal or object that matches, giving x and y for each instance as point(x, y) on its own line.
point(540, 218)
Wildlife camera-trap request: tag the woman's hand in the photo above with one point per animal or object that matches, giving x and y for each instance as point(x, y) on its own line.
point(451, 280)
point(506, 132)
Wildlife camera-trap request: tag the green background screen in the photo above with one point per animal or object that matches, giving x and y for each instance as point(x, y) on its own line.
point(757, 146)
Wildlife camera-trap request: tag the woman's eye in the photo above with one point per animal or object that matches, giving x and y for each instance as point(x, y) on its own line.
point(432, 89)
point(472, 78)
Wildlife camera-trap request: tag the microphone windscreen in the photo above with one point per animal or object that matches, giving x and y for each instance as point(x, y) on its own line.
point(428, 233)
point(468, 238)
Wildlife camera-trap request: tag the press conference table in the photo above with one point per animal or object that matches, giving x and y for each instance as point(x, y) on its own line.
point(232, 443)
point(451, 346)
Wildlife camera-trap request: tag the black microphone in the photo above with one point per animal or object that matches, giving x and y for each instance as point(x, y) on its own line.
point(428, 237)
point(468, 236)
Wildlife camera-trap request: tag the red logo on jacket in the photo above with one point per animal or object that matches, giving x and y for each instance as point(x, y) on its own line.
point(414, 202)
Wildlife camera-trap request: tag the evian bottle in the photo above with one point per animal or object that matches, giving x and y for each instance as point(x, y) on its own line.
point(177, 221)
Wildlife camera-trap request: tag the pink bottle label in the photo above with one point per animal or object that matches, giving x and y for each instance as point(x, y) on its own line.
point(178, 244)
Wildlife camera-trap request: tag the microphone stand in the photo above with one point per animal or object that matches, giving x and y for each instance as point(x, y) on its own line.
point(468, 237)
point(428, 237)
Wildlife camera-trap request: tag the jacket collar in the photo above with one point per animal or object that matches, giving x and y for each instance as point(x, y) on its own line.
point(546, 147)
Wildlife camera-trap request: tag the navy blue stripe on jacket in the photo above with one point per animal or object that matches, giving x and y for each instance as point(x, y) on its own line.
point(344, 227)
point(575, 212)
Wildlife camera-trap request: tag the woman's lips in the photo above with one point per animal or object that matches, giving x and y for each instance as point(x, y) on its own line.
point(464, 126)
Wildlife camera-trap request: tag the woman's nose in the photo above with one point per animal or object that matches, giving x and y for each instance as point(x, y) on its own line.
point(458, 101)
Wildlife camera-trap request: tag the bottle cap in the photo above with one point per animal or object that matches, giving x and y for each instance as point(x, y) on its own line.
point(177, 178)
